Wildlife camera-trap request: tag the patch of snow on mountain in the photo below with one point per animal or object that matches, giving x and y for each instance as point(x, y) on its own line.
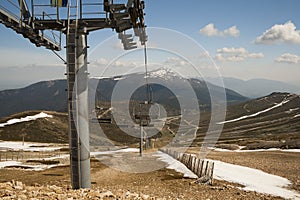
point(26, 119)
point(165, 73)
point(255, 114)
point(119, 78)
point(296, 116)
point(27, 167)
point(28, 146)
point(292, 110)
point(126, 150)
point(256, 150)
point(8, 163)
point(100, 77)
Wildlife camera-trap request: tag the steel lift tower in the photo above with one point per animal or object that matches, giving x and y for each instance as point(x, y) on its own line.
point(79, 19)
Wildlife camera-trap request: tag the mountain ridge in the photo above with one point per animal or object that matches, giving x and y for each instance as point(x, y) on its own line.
point(257, 87)
point(52, 95)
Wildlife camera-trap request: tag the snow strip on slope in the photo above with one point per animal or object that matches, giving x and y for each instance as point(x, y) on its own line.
point(296, 116)
point(126, 150)
point(29, 167)
point(257, 150)
point(254, 180)
point(34, 167)
point(26, 119)
point(255, 114)
point(176, 165)
point(8, 163)
point(27, 146)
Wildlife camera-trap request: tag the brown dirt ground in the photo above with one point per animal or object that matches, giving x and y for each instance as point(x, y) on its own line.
point(166, 183)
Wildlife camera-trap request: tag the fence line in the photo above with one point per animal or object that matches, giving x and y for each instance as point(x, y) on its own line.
point(201, 167)
point(10, 155)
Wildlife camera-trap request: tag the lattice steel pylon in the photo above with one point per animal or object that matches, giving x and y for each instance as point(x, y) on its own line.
point(34, 20)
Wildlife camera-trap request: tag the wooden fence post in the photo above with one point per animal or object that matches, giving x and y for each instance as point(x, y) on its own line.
point(212, 173)
point(202, 168)
point(195, 166)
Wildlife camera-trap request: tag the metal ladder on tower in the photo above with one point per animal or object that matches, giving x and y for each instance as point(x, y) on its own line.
point(77, 100)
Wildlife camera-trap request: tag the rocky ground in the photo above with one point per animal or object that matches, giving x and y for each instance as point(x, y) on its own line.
point(18, 190)
point(109, 183)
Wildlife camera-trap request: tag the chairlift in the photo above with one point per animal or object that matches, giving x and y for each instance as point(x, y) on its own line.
point(102, 118)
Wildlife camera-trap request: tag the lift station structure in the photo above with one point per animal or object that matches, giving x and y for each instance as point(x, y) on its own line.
point(37, 20)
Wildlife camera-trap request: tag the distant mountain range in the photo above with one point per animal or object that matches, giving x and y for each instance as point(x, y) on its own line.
point(46, 95)
point(254, 88)
point(52, 95)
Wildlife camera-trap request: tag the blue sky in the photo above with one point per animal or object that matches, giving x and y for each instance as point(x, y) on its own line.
point(247, 39)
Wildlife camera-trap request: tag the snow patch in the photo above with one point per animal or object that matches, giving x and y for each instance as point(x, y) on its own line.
point(255, 114)
point(26, 119)
point(27, 146)
point(126, 150)
point(254, 180)
point(164, 73)
point(291, 110)
point(296, 116)
point(33, 167)
point(176, 165)
point(119, 78)
point(257, 150)
point(290, 150)
point(100, 77)
point(8, 163)
point(27, 167)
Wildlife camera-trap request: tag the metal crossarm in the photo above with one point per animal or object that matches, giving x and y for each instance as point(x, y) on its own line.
point(34, 35)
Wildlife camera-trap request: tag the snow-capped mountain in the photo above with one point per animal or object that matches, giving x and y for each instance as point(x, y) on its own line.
point(52, 95)
point(165, 73)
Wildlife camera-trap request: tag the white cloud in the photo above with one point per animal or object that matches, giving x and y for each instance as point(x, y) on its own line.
point(236, 54)
point(102, 61)
point(232, 50)
point(175, 61)
point(232, 58)
point(124, 64)
point(288, 58)
point(255, 55)
point(280, 33)
point(118, 46)
point(210, 30)
point(205, 54)
point(232, 31)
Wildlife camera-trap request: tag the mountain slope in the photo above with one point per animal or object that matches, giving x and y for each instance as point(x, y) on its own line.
point(161, 93)
point(270, 121)
point(53, 128)
point(46, 95)
point(267, 122)
point(52, 95)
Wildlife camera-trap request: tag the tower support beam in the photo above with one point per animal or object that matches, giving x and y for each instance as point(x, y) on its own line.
point(78, 108)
